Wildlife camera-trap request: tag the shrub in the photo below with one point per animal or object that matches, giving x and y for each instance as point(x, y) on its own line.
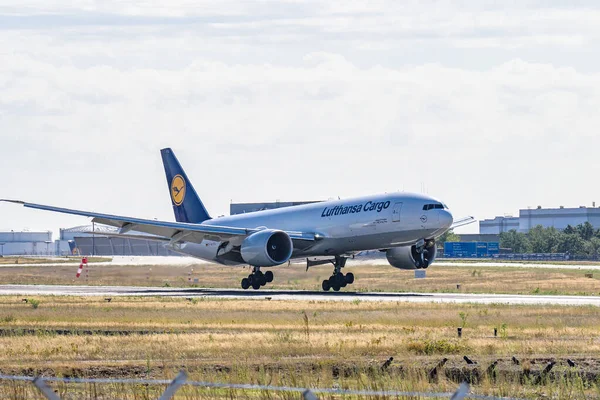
point(9, 318)
point(440, 346)
point(34, 303)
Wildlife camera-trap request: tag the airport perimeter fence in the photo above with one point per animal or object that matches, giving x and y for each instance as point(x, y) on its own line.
point(181, 380)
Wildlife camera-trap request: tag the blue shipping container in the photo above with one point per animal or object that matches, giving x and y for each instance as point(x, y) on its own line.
point(470, 249)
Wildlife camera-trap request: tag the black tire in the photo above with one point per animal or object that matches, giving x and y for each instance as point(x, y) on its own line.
point(341, 281)
point(245, 283)
point(325, 285)
point(262, 280)
point(269, 276)
point(349, 278)
point(250, 279)
point(336, 287)
point(256, 284)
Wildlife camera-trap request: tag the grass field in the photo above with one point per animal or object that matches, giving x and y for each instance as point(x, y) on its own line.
point(316, 344)
point(513, 280)
point(301, 343)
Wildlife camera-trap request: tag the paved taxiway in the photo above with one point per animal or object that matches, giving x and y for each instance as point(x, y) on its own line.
point(113, 291)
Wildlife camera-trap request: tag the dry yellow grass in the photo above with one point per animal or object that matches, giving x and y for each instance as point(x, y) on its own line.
point(368, 278)
point(284, 342)
point(273, 341)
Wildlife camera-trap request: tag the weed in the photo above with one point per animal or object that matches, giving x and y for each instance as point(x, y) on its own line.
point(504, 330)
point(9, 318)
point(306, 326)
point(34, 303)
point(440, 346)
point(463, 318)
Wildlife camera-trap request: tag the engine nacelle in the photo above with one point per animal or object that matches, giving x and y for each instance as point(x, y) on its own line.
point(267, 248)
point(410, 258)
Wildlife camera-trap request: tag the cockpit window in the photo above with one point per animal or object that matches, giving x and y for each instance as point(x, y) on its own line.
point(433, 206)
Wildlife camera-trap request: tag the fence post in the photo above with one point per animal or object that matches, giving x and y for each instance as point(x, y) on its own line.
point(174, 386)
point(308, 395)
point(45, 389)
point(461, 392)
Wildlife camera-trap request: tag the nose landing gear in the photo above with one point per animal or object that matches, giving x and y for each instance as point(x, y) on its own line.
point(257, 279)
point(338, 280)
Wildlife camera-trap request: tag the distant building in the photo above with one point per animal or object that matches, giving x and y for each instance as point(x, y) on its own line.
point(241, 208)
point(558, 218)
point(26, 243)
point(498, 225)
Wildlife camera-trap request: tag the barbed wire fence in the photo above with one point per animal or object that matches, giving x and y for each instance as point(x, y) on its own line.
point(41, 383)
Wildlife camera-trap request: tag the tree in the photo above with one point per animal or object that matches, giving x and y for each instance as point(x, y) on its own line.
point(448, 236)
point(543, 240)
point(518, 242)
point(571, 243)
point(592, 247)
point(585, 230)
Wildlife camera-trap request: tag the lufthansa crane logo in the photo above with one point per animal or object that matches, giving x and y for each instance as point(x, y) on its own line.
point(178, 190)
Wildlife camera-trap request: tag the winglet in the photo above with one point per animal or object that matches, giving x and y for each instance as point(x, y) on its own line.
point(463, 221)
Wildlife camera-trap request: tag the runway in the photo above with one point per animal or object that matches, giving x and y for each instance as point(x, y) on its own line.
point(114, 291)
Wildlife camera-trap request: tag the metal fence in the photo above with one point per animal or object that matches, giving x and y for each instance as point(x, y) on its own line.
point(182, 380)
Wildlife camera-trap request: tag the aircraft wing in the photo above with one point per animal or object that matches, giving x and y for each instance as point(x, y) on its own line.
point(173, 230)
point(462, 222)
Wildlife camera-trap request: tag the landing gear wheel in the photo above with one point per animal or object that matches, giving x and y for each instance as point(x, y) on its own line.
point(257, 279)
point(262, 280)
point(269, 276)
point(341, 280)
point(245, 283)
point(338, 280)
point(349, 278)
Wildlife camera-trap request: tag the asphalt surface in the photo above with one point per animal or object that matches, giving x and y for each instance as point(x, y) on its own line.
point(348, 295)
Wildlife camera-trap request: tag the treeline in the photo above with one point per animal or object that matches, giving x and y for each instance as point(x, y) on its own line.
point(582, 240)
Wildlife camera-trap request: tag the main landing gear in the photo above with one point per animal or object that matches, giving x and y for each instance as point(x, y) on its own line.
point(338, 280)
point(257, 279)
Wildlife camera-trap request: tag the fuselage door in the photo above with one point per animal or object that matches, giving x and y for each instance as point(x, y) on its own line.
point(396, 212)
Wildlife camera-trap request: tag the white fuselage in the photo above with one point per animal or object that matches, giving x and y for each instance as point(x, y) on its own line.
point(342, 226)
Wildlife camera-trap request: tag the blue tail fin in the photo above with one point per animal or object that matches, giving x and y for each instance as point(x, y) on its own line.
point(186, 204)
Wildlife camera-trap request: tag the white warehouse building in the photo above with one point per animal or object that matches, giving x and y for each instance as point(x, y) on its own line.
point(26, 243)
point(558, 218)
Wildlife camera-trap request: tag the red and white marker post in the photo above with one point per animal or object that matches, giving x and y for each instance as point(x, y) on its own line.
point(83, 262)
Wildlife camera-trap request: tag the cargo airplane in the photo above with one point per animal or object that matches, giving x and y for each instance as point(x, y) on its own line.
point(404, 226)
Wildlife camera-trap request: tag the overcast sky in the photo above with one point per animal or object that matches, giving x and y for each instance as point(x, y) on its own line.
point(490, 106)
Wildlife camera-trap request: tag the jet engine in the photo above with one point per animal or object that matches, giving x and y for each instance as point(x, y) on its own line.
point(267, 248)
point(412, 257)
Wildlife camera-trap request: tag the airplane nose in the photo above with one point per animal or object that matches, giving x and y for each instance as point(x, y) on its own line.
point(446, 219)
